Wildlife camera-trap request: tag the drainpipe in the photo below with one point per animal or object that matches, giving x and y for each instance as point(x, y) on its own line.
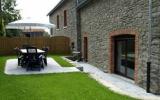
point(149, 47)
point(78, 31)
point(78, 26)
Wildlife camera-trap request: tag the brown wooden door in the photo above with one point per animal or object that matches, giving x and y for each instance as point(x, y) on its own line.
point(85, 48)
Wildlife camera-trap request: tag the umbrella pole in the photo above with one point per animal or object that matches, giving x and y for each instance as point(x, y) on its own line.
point(28, 39)
point(26, 36)
point(29, 36)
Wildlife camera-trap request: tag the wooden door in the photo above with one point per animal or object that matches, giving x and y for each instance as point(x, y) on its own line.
point(85, 48)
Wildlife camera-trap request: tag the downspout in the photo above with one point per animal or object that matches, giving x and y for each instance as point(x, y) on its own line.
point(78, 26)
point(149, 47)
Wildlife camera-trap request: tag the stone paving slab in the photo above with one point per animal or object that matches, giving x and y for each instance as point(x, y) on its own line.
point(117, 83)
point(12, 68)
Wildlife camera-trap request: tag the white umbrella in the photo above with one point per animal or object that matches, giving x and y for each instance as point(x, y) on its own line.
point(29, 24)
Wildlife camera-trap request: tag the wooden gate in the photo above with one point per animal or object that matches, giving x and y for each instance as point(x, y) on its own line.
point(60, 44)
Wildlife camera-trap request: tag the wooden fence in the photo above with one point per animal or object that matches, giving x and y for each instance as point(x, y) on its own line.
point(59, 44)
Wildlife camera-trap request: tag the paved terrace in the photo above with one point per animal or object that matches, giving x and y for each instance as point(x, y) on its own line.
point(12, 68)
point(118, 84)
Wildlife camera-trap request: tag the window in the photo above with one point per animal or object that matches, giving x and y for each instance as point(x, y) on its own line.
point(51, 31)
point(65, 18)
point(72, 45)
point(57, 21)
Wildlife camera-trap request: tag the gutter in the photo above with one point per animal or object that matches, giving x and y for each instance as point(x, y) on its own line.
point(82, 4)
point(149, 47)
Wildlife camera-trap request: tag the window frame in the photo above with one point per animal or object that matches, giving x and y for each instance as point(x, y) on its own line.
point(65, 18)
point(58, 22)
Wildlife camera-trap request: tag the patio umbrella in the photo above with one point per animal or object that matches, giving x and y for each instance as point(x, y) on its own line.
point(29, 24)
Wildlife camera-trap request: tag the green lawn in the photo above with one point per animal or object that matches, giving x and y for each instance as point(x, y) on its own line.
point(61, 61)
point(69, 86)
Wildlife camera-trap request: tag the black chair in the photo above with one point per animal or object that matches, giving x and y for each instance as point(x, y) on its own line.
point(34, 60)
point(46, 49)
point(76, 55)
point(19, 56)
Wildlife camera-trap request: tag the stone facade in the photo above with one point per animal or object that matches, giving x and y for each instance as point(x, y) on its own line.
point(69, 30)
point(155, 45)
point(99, 18)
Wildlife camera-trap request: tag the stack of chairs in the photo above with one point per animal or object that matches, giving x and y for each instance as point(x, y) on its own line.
point(46, 49)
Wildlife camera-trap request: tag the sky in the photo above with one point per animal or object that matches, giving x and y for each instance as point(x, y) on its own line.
point(37, 9)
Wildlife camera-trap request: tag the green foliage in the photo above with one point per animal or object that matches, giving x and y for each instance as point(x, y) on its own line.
point(65, 86)
point(8, 14)
point(2, 27)
point(13, 32)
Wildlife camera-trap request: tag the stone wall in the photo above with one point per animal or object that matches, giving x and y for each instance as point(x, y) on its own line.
point(70, 30)
point(101, 17)
point(155, 51)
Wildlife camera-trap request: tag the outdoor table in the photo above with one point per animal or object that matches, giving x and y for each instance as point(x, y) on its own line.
point(24, 51)
point(24, 54)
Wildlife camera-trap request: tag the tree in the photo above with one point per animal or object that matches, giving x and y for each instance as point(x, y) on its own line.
point(2, 27)
point(8, 14)
point(1, 22)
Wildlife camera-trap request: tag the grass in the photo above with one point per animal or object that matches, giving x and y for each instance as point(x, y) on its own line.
point(69, 86)
point(61, 61)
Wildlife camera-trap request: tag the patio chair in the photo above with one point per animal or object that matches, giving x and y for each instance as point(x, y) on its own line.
point(45, 54)
point(34, 60)
point(76, 55)
point(19, 56)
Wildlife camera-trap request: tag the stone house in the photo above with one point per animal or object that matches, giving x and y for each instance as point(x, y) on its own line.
point(121, 36)
point(116, 37)
point(64, 17)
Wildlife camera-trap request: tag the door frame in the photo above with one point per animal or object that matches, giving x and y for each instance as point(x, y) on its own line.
point(111, 53)
point(85, 48)
point(125, 39)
